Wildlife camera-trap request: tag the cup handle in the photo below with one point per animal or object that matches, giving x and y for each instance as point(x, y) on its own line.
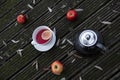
point(33, 43)
point(101, 47)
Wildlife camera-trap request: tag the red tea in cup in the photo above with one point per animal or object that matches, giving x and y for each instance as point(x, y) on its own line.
point(43, 36)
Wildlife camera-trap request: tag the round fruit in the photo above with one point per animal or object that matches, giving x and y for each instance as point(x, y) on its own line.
point(57, 67)
point(71, 15)
point(21, 18)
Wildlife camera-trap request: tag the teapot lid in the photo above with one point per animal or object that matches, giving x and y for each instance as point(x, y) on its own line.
point(88, 38)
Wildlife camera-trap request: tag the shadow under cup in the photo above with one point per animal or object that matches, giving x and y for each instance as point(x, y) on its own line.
point(43, 36)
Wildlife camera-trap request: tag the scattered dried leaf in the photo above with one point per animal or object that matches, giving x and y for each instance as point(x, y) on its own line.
point(23, 11)
point(1, 57)
point(50, 10)
point(15, 41)
point(98, 67)
point(73, 60)
point(78, 10)
point(31, 7)
point(4, 43)
point(16, 24)
point(63, 78)
point(36, 64)
point(70, 42)
point(19, 51)
point(71, 53)
point(115, 11)
point(80, 78)
point(33, 1)
point(58, 42)
point(77, 56)
point(63, 41)
point(63, 46)
point(106, 22)
point(63, 6)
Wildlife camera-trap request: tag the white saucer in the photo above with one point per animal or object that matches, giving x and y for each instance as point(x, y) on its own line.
point(48, 46)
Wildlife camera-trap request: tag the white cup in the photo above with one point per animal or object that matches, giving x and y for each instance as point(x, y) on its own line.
point(44, 46)
point(36, 31)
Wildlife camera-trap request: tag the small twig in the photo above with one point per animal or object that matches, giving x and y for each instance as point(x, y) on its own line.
point(19, 51)
point(4, 43)
point(15, 41)
point(70, 42)
point(50, 10)
point(30, 6)
point(98, 67)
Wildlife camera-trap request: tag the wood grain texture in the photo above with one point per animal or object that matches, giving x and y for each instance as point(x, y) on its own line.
point(16, 67)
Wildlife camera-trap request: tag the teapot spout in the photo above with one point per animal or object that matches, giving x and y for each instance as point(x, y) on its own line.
point(101, 47)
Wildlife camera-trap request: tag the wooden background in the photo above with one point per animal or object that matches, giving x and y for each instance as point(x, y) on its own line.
point(14, 66)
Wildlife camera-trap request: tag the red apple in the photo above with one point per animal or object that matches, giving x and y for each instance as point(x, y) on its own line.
point(21, 18)
point(57, 67)
point(71, 15)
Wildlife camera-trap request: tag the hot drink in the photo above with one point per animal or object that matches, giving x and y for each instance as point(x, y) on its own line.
point(43, 36)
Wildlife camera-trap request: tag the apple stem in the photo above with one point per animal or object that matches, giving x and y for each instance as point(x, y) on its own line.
point(56, 66)
point(71, 14)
